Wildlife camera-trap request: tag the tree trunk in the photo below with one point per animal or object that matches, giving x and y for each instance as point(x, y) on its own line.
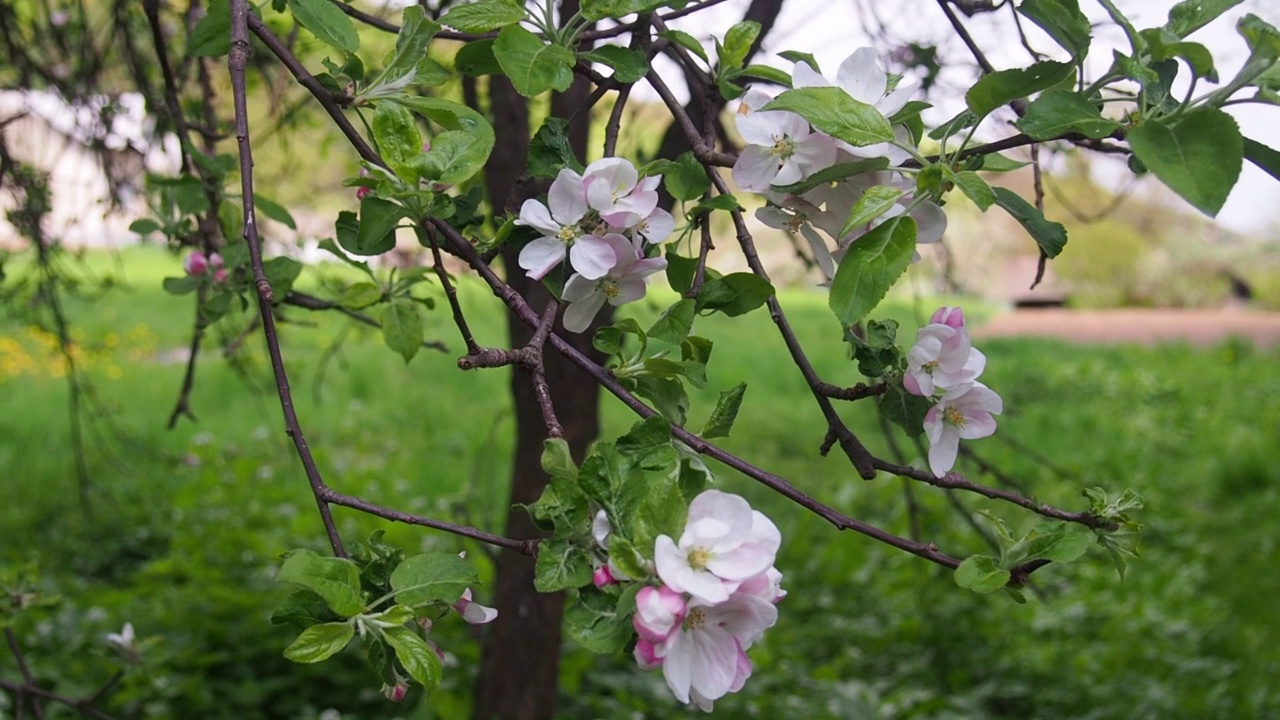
point(521, 662)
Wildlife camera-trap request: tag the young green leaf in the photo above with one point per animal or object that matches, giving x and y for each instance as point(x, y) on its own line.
point(726, 411)
point(402, 328)
point(998, 89)
point(874, 202)
point(329, 24)
point(1059, 112)
point(302, 609)
point(1199, 158)
point(734, 294)
point(833, 111)
point(1050, 236)
point(1190, 15)
point(601, 9)
point(556, 459)
point(668, 397)
point(274, 211)
point(455, 156)
point(685, 178)
point(686, 41)
point(484, 15)
point(974, 188)
point(601, 622)
point(335, 579)
point(550, 150)
point(320, 642)
point(981, 574)
point(1062, 20)
point(1057, 541)
point(211, 37)
point(431, 577)
point(873, 263)
point(628, 65)
point(737, 43)
point(1262, 156)
point(182, 285)
point(476, 59)
point(419, 658)
point(904, 409)
point(398, 138)
point(533, 65)
point(561, 565)
point(674, 324)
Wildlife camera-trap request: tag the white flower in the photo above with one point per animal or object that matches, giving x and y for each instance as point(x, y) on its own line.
point(623, 283)
point(781, 150)
point(942, 358)
point(615, 190)
point(704, 657)
point(861, 76)
point(657, 227)
point(123, 639)
point(473, 612)
point(724, 543)
point(964, 412)
point(559, 225)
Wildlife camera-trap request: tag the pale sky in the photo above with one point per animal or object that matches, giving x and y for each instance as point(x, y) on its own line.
point(833, 29)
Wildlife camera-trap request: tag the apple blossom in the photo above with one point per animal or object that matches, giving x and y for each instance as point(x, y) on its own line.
point(558, 221)
point(964, 412)
point(623, 283)
point(724, 543)
point(615, 189)
point(949, 316)
point(780, 150)
point(861, 76)
point(473, 612)
point(658, 611)
point(196, 263)
point(123, 639)
point(942, 358)
point(396, 692)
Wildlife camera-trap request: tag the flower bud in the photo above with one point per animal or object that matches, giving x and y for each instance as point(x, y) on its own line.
point(949, 316)
point(196, 263)
point(602, 577)
point(396, 693)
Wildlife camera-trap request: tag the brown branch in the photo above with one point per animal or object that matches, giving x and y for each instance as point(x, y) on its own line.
point(450, 292)
point(966, 38)
point(28, 678)
point(329, 495)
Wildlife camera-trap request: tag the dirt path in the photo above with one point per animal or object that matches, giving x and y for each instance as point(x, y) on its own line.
point(1148, 327)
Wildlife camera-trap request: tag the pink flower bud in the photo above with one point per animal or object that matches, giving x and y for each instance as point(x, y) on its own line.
point(659, 611)
point(363, 192)
point(646, 655)
point(215, 261)
point(196, 263)
point(395, 693)
point(220, 275)
point(474, 612)
point(602, 577)
point(949, 316)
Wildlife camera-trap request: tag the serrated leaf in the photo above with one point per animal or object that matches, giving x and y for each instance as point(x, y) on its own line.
point(483, 16)
point(562, 507)
point(674, 324)
point(360, 295)
point(834, 112)
point(974, 188)
point(302, 609)
point(373, 233)
point(734, 294)
point(996, 162)
point(1058, 542)
point(533, 65)
point(1199, 158)
point(1050, 236)
point(737, 43)
point(873, 203)
point(720, 424)
point(476, 59)
point(601, 622)
point(334, 579)
point(320, 642)
point(398, 138)
point(1164, 45)
point(668, 397)
point(873, 263)
point(211, 36)
point(686, 41)
point(561, 565)
point(998, 89)
point(601, 9)
point(981, 574)
point(628, 65)
point(329, 24)
point(685, 177)
point(455, 157)
point(1059, 112)
point(549, 151)
point(419, 658)
point(431, 577)
point(402, 328)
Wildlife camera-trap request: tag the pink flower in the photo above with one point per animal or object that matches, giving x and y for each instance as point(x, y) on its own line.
point(942, 358)
point(704, 657)
point(949, 316)
point(615, 190)
point(558, 221)
point(602, 578)
point(196, 263)
point(964, 412)
point(474, 612)
point(724, 543)
point(623, 283)
point(646, 655)
point(658, 611)
point(220, 275)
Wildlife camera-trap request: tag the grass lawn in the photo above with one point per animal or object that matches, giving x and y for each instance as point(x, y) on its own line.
point(186, 524)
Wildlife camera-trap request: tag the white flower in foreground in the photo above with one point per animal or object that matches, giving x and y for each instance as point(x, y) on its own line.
point(964, 413)
point(473, 612)
point(615, 189)
point(724, 543)
point(123, 639)
point(623, 283)
point(942, 358)
point(558, 223)
point(657, 227)
point(861, 76)
point(781, 150)
point(704, 657)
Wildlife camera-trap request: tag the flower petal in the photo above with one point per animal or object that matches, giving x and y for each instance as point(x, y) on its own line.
point(593, 257)
point(862, 77)
point(540, 256)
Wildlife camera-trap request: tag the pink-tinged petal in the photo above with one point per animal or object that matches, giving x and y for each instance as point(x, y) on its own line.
point(742, 672)
point(645, 655)
point(764, 532)
point(706, 532)
point(704, 704)
point(762, 128)
point(648, 266)
point(816, 152)
point(567, 198)
point(754, 99)
point(931, 223)
point(659, 611)
point(942, 453)
point(600, 525)
point(592, 257)
point(630, 289)
point(821, 253)
point(774, 218)
point(715, 657)
point(804, 76)
point(911, 380)
point(535, 215)
point(541, 256)
point(949, 316)
point(702, 585)
point(793, 126)
point(196, 263)
point(617, 173)
point(731, 510)
point(977, 424)
point(578, 316)
point(755, 169)
point(862, 77)
point(640, 204)
point(678, 667)
point(602, 578)
point(669, 560)
point(933, 424)
point(658, 226)
point(624, 253)
point(578, 289)
point(790, 172)
point(742, 562)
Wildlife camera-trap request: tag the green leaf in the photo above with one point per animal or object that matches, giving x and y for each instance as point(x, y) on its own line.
point(1164, 45)
point(320, 642)
point(974, 188)
point(407, 64)
point(561, 565)
point(211, 37)
point(431, 577)
point(904, 409)
point(360, 295)
point(556, 459)
point(834, 173)
point(419, 658)
point(686, 41)
point(1062, 20)
point(998, 89)
point(737, 43)
point(1058, 542)
point(377, 231)
point(674, 324)
point(329, 24)
point(302, 609)
point(182, 285)
point(873, 203)
point(601, 9)
point(402, 328)
point(685, 178)
point(980, 574)
point(549, 151)
point(873, 263)
point(483, 16)
point(455, 157)
point(1190, 15)
point(668, 397)
point(963, 120)
point(399, 141)
point(1199, 158)
point(726, 411)
point(1263, 156)
point(796, 56)
point(734, 294)
point(769, 74)
point(876, 352)
point(601, 622)
point(533, 65)
point(562, 507)
point(628, 65)
point(334, 579)
point(476, 58)
point(281, 272)
point(832, 111)
point(451, 116)
point(680, 270)
point(995, 162)
point(274, 211)
point(1059, 112)
point(1050, 236)
point(144, 226)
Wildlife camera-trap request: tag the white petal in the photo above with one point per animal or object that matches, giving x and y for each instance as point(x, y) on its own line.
point(578, 289)
point(762, 128)
point(535, 215)
point(755, 169)
point(658, 226)
point(540, 256)
point(578, 316)
point(931, 222)
point(942, 454)
point(805, 76)
point(567, 198)
point(862, 77)
point(592, 257)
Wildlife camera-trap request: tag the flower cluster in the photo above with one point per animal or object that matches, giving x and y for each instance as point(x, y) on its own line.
point(197, 263)
point(717, 596)
point(944, 365)
point(601, 220)
point(782, 149)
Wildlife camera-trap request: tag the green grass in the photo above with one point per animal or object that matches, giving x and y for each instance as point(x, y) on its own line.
point(187, 523)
